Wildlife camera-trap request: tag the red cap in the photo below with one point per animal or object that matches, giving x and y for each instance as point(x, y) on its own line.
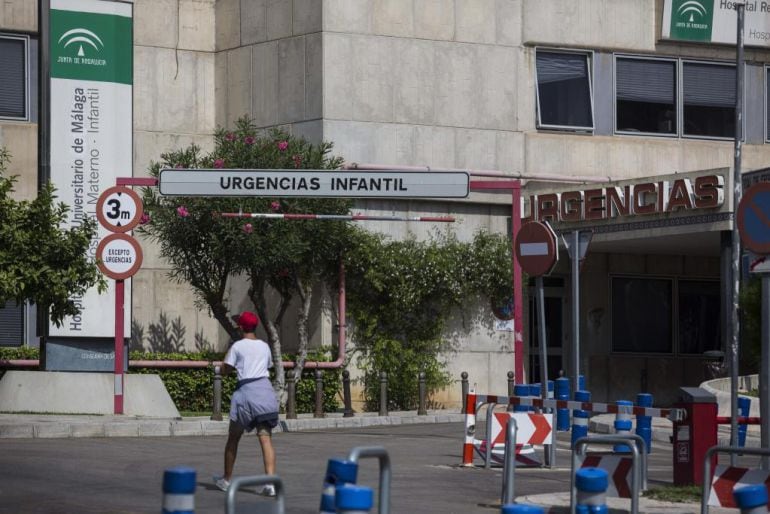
point(248, 321)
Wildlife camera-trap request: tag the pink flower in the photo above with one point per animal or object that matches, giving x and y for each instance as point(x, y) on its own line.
point(179, 166)
point(297, 160)
point(230, 136)
point(249, 140)
point(247, 228)
point(275, 206)
point(145, 219)
point(182, 211)
point(219, 163)
point(283, 145)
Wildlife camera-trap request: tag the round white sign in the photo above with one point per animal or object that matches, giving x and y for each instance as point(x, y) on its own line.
point(119, 209)
point(119, 256)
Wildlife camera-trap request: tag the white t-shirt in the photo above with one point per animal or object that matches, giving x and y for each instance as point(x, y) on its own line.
point(251, 358)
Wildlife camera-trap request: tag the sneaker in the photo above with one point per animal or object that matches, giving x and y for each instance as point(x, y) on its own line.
point(221, 483)
point(268, 490)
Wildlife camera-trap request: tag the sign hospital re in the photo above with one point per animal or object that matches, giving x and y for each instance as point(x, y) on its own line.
point(610, 202)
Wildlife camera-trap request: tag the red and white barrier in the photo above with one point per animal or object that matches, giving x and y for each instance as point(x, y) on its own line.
point(618, 470)
point(474, 401)
point(727, 478)
point(532, 429)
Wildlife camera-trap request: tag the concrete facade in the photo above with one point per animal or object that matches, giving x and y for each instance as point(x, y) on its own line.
point(439, 83)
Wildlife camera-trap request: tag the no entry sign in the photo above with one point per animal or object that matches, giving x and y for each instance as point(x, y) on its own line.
point(536, 248)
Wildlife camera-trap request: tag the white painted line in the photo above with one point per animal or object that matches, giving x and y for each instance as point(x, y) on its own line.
point(533, 249)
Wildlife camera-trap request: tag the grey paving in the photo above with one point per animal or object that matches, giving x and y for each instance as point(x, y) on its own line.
point(119, 461)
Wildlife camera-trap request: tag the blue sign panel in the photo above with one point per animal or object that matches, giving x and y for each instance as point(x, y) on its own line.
point(753, 218)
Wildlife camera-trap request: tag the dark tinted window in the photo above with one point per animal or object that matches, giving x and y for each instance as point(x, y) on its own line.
point(13, 87)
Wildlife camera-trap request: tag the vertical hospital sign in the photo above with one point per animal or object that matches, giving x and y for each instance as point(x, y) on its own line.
point(91, 77)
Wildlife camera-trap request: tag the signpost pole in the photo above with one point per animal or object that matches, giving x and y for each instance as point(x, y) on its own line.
point(575, 310)
point(119, 297)
point(764, 375)
point(734, 320)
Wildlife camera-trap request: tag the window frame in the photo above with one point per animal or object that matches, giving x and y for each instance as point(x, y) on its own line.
point(676, 350)
point(589, 56)
point(25, 39)
point(677, 84)
point(766, 101)
point(682, 62)
point(679, 96)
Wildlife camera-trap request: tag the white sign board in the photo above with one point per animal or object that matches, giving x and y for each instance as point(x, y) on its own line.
point(715, 21)
point(91, 70)
point(314, 183)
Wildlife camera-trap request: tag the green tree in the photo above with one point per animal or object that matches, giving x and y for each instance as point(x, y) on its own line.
point(281, 256)
point(401, 294)
point(40, 261)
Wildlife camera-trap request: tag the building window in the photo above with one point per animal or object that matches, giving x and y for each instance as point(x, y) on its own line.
point(11, 324)
point(645, 95)
point(767, 104)
point(674, 97)
point(642, 315)
point(699, 320)
point(708, 103)
point(644, 312)
point(564, 98)
point(14, 96)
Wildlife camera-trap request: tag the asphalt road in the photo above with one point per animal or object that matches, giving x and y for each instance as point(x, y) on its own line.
point(124, 475)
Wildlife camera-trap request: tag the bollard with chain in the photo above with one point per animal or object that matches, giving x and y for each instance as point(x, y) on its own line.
point(319, 394)
point(383, 393)
point(421, 410)
point(464, 389)
point(216, 411)
point(346, 394)
point(291, 401)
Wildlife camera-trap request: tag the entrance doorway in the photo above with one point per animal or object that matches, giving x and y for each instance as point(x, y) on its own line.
point(555, 321)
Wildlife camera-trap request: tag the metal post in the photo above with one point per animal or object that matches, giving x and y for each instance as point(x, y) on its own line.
point(736, 242)
point(319, 394)
point(421, 410)
point(575, 310)
point(119, 356)
point(216, 414)
point(464, 389)
point(385, 471)
point(383, 393)
point(291, 389)
point(511, 388)
point(509, 462)
point(346, 394)
point(764, 375)
point(541, 336)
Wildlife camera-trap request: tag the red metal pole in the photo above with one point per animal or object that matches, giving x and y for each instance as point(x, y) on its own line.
point(119, 297)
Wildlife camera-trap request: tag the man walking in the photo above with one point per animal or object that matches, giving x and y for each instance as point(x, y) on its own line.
point(253, 404)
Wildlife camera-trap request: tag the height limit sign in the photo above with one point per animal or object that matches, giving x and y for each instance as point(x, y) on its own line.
point(119, 209)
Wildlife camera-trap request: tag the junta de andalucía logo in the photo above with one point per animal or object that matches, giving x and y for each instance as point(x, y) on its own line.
point(692, 19)
point(87, 43)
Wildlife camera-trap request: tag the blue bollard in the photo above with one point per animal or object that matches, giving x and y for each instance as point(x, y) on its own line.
point(521, 508)
point(521, 390)
point(751, 499)
point(580, 417)
point(179, 491)
point(623, 426)
point(354, 499)
point(744, 408)
point(550, 389)
point(561, 388)
point(644, 423)
point(582, 382)
point(534, 392)
point(338, 472)
point(591, 485)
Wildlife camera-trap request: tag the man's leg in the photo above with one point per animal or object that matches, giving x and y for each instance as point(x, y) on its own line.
point(231, 448)
point(268, 453)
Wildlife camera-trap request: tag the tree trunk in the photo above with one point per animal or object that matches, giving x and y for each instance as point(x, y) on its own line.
point(305, 291)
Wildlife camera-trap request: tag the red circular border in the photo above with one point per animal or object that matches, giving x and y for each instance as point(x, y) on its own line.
point(130, 240)
point(539, 265)
point(131, 224)
point(756, 247)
